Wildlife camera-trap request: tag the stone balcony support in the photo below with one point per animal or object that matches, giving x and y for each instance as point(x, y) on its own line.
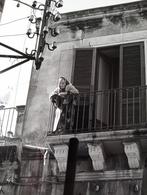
point(132, 152)
point(96, 153)
point(61, 154)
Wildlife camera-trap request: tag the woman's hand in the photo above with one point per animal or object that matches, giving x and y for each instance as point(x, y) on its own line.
point(62, 94)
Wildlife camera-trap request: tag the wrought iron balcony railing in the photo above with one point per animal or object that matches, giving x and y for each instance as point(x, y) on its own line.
point(105, 110)
point(8, 117)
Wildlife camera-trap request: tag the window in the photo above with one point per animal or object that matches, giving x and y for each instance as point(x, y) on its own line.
point(112, 78)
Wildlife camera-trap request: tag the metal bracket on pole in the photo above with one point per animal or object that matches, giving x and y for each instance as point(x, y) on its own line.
point(22, 55)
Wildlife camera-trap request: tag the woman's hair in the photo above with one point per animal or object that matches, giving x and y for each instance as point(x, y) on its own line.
point(67, 82)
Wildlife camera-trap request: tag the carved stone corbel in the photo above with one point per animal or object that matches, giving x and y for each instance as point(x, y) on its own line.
point(133, 154)
point(61, 154)
point(96, 153)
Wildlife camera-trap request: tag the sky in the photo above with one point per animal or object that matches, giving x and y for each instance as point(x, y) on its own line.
point(72, 5)
point(14, 84)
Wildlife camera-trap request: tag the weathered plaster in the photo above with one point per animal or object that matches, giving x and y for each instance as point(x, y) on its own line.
point(85, 29)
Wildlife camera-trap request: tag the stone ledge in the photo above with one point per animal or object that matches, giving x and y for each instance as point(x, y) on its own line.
point(98, 136)
point(107, 175)
point(6, 141)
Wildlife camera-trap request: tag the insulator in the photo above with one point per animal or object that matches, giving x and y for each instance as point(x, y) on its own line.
point(59, 4)
point(57, 17)
point(31, 18)
point(29, 31)
point(55, 31)
point(34, 4)
point(18, 5)
point(45, 29)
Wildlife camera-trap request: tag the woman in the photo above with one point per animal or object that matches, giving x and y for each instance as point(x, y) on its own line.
point(64, 99)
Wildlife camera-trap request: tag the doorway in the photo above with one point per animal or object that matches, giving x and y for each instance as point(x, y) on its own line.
point(112, 78)
point(106, 86)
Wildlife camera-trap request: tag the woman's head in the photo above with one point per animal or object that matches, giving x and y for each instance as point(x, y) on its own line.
point(62, 83)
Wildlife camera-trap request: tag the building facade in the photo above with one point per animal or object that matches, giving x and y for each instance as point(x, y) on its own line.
point(102, 51)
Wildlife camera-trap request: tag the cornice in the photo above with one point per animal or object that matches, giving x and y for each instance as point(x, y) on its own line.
point(114, 10)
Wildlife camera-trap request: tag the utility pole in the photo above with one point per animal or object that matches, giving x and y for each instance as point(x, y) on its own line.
point(42, 30)
point(71, 167)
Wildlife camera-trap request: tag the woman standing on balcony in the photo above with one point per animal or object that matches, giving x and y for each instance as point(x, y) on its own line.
point(64, 99)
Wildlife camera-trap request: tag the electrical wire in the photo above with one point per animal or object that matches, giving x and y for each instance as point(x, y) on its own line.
point(20, 68)
point(13, 21)
point(12, 35)
point(14, 66)
point(28, 5)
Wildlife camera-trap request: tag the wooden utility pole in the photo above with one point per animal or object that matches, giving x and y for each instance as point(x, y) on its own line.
point(71, 167)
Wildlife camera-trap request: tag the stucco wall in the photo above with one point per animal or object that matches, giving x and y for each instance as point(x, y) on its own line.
point(91, 28)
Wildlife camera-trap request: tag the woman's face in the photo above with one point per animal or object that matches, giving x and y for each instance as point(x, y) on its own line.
point(62, 83)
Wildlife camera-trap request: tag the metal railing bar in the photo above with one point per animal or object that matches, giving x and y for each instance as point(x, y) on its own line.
point(127, 113)
point(12, 119)
point(139, 104)
point(77, 118)
point(3, 118)
point(114, 107)
point(83, 117)
point(133, 106)
point(108, 107)
point(7, 122)
point(101, 119)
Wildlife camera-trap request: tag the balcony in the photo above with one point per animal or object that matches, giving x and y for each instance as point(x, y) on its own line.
point(11, 120)
point(107, 110)
point(8, 118)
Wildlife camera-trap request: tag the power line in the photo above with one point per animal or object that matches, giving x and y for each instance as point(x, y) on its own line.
point(12, 35)
point(11, 67)
point(13, 21)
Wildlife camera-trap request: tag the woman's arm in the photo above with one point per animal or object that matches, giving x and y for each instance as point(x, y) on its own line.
point(71, 89)
point(55, 92)
point(62, 94)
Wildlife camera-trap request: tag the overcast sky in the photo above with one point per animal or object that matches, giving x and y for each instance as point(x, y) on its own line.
point(17, 80)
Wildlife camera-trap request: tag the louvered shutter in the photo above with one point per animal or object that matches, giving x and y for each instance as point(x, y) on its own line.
point(83, 69)
point(82, 81)
point(131, 66)
point(132, 76)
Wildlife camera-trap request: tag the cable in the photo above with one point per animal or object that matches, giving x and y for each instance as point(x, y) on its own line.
point(20, 68)
point(13, 21)
point(12, 35)
point(11, 67)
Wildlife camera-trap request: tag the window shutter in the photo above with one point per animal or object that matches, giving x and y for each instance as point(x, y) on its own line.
point(83, 69)
point(131, 66)
point(82, 81)
point(132, 74)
